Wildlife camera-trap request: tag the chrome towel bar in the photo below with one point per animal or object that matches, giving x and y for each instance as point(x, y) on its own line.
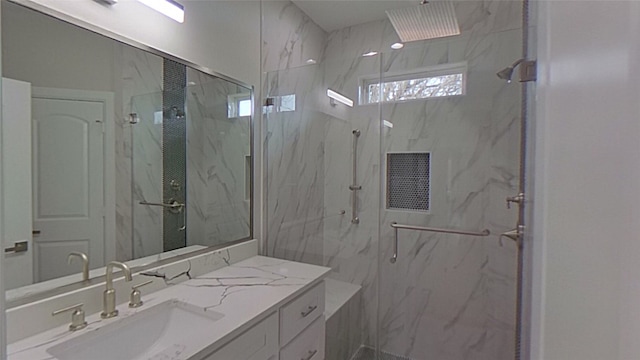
point(397, 226)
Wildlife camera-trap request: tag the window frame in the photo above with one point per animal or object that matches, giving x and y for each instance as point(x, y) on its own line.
point(414, 74)
point(233, 105)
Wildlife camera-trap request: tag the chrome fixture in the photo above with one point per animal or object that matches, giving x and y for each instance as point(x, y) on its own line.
point(175, 185)
point(109, 305)
point(355, 187)
point(173, 206)
point(518, 199)
point(515, 235)
point(527, 71)
point(309, 310)
point(134, 118)
point(18, 247)
point(85, 263)
point(397, 226)
point(135, 299)
point(310, 355)
point(77, 316)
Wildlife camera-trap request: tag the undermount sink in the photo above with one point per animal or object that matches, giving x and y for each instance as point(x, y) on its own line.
point(160, 332)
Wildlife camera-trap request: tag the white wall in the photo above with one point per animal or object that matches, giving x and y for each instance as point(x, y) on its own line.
point(223, 36)
point(3, 323)
point(586, 292)
point(16, 126)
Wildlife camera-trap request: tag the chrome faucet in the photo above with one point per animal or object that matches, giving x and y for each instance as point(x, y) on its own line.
point(85, 263)
point(109, 306)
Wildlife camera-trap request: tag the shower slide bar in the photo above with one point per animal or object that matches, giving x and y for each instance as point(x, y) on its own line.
point(355, 187)
point(397, 226)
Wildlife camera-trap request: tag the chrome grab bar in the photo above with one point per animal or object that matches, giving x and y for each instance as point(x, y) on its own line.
point(397, 226)
point(355, 187)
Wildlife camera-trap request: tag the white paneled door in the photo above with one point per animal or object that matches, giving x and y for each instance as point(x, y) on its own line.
point(16, 169)
point(68, 183)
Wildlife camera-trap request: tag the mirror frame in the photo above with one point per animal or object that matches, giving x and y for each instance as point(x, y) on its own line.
point(140, 46)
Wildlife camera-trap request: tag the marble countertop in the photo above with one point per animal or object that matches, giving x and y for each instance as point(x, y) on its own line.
point(245, 293)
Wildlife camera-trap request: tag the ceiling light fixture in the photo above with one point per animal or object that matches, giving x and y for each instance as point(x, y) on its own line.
point(397, 46)
point(387, 123)
point(339, 97)
point(370, 53)
point(168, 8)
point(311, 61)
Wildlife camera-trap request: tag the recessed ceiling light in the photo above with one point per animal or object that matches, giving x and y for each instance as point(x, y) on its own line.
point(397, 46)
point(370, 53)
point(311, 61)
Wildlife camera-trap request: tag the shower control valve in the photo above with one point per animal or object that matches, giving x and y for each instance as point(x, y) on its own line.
point(518, 199)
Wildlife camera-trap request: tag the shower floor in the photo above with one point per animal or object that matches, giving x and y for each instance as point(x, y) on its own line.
point(366, 353)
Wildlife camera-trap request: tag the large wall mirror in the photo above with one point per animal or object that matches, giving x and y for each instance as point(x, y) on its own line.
point(115, 152)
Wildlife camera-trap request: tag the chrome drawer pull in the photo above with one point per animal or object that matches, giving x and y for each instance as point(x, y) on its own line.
point(309, 311)
point(311, 353)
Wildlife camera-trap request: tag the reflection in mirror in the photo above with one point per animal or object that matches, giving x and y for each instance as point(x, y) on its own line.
point(127, 155)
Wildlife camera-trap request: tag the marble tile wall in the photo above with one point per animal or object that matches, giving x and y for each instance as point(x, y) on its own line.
point(448, 296)
point(218, 208)
point(451, 296)
point(294, 141)
point(139, 162)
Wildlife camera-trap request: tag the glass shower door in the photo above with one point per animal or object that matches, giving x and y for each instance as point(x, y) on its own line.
point(450, 142)
point(147, 174)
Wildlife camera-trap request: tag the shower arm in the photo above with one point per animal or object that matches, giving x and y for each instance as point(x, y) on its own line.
point(397, 226)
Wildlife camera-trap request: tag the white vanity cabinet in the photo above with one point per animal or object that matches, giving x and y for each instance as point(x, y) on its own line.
point(295, 332)
point(302, 326)
point(258, 343)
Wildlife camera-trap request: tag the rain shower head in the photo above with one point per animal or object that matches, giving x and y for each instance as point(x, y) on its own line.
point(429, 20)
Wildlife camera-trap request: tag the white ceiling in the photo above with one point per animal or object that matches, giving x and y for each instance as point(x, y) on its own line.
point(337, 14)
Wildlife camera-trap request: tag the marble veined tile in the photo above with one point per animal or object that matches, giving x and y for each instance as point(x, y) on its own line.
point(447, 296)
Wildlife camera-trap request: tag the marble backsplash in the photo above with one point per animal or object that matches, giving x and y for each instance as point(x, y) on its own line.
point(448, 296)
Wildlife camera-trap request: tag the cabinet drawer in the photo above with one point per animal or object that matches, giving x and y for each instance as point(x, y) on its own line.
point(258, 343)
point(299, 313)
point(307, 346)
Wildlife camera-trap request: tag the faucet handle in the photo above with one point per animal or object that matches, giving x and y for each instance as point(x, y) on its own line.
point(77, 316)
point(135, 299)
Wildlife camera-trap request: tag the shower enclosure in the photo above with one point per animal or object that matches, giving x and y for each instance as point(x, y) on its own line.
point(392, 166)
point(190, 163)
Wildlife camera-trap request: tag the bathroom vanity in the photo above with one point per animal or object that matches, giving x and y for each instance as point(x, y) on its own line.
point(257, 309)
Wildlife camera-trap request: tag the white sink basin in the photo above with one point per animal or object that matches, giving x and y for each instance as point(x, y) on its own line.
point(160, 332)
